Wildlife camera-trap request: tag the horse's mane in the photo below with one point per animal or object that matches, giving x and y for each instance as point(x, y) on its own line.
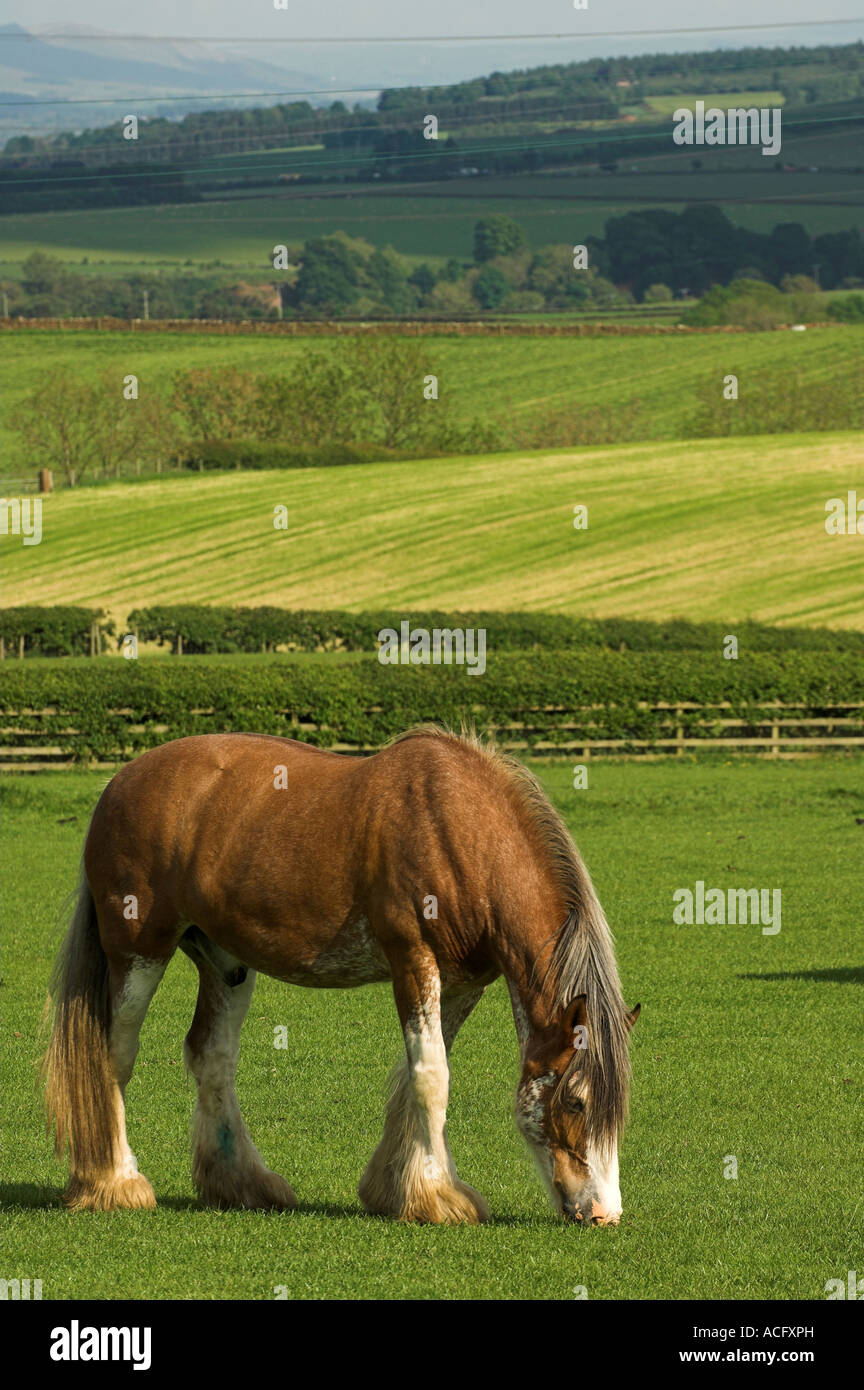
point(582, 957)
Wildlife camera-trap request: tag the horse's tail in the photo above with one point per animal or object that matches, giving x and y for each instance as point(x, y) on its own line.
point(79, 1077)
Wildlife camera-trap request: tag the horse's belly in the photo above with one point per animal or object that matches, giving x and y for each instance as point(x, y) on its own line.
point(354, 957)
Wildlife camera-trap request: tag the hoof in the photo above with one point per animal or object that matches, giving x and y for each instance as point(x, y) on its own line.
point(109, 1193)
point(253, 1190)
point(447, 1203)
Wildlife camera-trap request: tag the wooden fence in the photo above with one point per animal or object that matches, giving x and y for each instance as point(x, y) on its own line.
point(784, 731)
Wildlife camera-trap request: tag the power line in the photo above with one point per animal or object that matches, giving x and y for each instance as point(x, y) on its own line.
point(433, 38)
point(207, 138)
point(462, 153)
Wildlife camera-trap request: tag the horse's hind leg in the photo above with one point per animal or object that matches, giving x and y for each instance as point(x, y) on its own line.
point(114, 1182)
point(227, 1168)
point(411, 1175)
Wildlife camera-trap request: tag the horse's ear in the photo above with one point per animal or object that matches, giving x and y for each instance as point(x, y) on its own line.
point(575, 1016)
point(632, 1016)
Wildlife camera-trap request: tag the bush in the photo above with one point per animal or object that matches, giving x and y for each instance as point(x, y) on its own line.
point(115, 710)
point(203, 628)
point(774, 402)
point(220, 454)
point(849, 309)
point(61, 631)
point(658, 294)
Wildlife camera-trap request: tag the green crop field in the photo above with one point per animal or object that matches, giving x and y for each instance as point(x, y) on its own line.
point(483, 377)
point(712, 529)
point(427, 222)
point(747, 1048)
point(663, 104)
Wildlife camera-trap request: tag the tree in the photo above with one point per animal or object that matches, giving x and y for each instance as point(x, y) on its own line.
point(423, 279)
point(452, 271)
point(389, 280)
point(497, 236)
point(790, 250)
point(216, 403)
point(658, 294)
point(327, 281)
point(390, 372)
point(799, 284)
point(490, 287)
point(319, 403)
point(57, 421)
point(44, 275)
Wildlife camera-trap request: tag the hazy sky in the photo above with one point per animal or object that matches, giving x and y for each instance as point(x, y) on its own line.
point(340, 18)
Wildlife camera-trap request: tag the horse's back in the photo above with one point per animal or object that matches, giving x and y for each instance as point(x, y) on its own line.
point(266, 840)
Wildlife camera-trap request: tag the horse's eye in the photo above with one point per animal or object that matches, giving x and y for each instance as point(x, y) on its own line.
point(574, 1101)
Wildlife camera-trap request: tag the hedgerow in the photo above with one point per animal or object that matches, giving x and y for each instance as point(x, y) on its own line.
point(113, 710)
point(205, 628)
point(57, 631)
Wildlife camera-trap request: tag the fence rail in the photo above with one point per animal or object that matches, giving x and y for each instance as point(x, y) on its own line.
point(786, 731)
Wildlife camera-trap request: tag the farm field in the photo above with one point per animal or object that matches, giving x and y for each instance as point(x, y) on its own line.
point(748, 1045)
point(484, 377)
point(745, 539)
point(424, 222)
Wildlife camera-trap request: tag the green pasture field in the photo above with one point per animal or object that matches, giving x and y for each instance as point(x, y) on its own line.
point(483, 377)
point(708, 529)
point(664, 103)
point(423, 222)
point(748, 1047)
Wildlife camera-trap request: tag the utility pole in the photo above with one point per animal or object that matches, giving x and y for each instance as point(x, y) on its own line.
point(146, 305)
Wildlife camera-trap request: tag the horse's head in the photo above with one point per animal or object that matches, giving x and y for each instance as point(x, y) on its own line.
point(563, 1109)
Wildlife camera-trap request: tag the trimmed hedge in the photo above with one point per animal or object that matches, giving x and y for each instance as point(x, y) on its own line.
point(114, 710)
point(208, 629)
point(204, 628)
point(222, 454)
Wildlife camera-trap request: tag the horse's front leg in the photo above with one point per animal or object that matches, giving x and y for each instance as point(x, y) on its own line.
point(411, 1175)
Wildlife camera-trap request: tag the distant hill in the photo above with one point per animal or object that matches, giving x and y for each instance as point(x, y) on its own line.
point(83, 63)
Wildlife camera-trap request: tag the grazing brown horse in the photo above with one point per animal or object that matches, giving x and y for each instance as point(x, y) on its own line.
point(437, 863)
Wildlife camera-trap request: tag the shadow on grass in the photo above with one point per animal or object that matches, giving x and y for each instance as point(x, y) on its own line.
point(840, 975)
point(30, 1194)
point(36, 1197)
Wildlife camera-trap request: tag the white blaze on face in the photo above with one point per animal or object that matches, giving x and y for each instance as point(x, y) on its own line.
point(605, 1184)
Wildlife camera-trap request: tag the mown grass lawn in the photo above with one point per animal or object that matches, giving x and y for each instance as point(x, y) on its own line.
point(749, 1046)
point(708, 529)
point(481, 377)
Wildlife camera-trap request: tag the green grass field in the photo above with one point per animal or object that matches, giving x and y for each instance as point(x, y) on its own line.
point(748, 1046)
point(429, 222)
point(663, 104)
point(705, 530)
point(482, 378)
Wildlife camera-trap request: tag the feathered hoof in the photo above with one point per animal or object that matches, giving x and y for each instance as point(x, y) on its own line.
point(109, 1193)
point(447, 1203)
point(253, 1189)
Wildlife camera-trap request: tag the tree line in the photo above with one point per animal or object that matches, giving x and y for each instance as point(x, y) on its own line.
point(375, 392)
point(650, 255)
